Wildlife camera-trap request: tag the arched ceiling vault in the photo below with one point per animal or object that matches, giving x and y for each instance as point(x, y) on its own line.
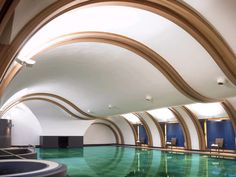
point(172, 10)
point(169, 11)
point(156, 60)
point(160, 63)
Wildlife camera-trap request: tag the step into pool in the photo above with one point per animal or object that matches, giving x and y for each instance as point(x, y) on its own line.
point(112, 161)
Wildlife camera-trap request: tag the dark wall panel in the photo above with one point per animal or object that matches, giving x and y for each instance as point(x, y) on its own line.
point(143, 134)
point(5, 133)
point(61, 141)
point(49, 141)
point(174, 130)
point(75, 141)
point(221, 129)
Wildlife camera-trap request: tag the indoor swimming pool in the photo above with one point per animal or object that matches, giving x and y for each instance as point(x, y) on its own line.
point(112, 161)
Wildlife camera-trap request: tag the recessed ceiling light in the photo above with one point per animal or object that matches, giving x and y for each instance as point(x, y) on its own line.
point(221, 80)
point(28, 63)
point(148, 98)
point(109, 106)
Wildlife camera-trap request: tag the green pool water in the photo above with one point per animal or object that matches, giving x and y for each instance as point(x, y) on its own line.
point(112, 161)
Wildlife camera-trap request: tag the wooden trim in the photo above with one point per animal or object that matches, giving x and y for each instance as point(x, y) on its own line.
point(198, 127)
point(32, 95)
point(229, 109)
point(158, 126)
point(174, 11)
point(138, 48)
point(7, 108)
point(152, 57)
point(5, 16)
point(148, 131)
point(133, 130)
point(184, 126)
point(63, 100)
point(9, 77)
point(110, 127)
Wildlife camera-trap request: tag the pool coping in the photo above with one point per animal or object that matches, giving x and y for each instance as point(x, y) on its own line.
point(177, 150)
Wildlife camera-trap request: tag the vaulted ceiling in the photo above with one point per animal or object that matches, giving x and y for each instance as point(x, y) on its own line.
point(106, 58)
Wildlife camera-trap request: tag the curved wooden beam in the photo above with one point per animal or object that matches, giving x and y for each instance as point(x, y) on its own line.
point(61, 99)
point(138, 48)
point(110, 127)
point(11, 105)
point(174, 11)
point(39, 95)
point(12, 73)
point(158, 126)
point(229, 109)
point(197, 125)
point(148, 131)
point(184, 128)
point(6, 12)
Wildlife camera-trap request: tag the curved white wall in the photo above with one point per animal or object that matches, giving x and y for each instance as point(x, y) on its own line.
point(26, 127)
point(191, 128)
point(154, 131)
point(99, 134)
point(126, 130)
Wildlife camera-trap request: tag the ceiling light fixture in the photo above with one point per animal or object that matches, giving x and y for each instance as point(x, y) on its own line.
point(221, 81)
point(109, 106)
point(27, 63)
point(148, 98)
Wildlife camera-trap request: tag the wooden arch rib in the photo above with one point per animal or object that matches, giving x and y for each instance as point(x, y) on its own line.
point(63, 100)
point(110, 127)
point(152, 57)
point(184, 128)
point(138, 48)
point(174, 11)
point(197, 125)
point(158, 126)
point(148, 131)
point(229, 109)
point(14, 103)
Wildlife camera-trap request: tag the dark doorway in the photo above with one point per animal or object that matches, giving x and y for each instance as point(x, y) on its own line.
point(63, 141)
